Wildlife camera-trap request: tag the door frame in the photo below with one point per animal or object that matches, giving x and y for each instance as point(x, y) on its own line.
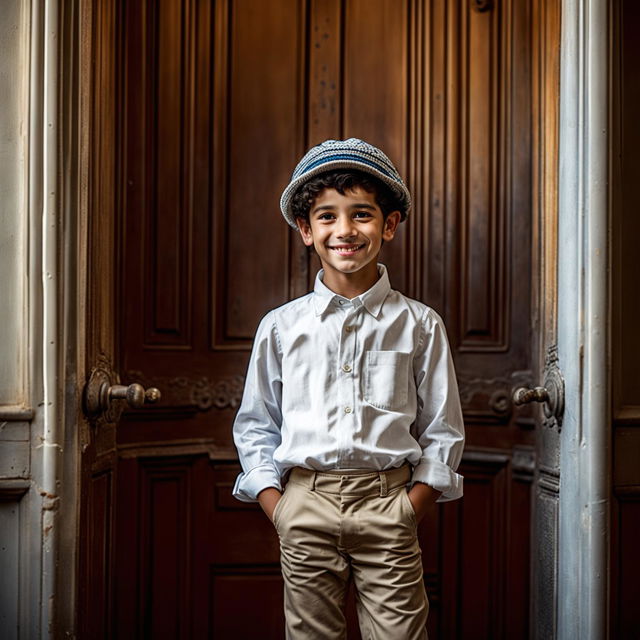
point(584, 319)
point(57, 161)
point(582, 287)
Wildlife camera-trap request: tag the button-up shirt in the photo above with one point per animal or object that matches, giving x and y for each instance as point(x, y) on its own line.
point(366, 383)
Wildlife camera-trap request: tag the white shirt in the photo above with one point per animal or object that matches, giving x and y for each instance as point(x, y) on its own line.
point(366, 383)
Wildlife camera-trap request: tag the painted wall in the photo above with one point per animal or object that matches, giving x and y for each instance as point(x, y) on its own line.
point(21, 501)
point(13, 137)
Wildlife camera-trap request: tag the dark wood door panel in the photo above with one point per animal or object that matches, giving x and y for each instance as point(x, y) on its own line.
point(212, 253)
point(218, 100)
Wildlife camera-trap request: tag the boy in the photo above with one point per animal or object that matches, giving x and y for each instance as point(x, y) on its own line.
point(350, 395)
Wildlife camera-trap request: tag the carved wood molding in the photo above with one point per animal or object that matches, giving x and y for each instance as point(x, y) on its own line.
point(104, 367)
point(523, 463)
point(554, 383)
point(486, 400)
point(481, 5)
point(548, 480)
point(198, 393)
point(489, 399)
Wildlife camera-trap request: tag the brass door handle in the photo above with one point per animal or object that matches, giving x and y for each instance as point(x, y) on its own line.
point(551, 394)
point(522, 395)
point(134, 394)
point(99, 394)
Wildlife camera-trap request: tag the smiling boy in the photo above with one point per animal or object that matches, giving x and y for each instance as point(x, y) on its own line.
point(351, 398)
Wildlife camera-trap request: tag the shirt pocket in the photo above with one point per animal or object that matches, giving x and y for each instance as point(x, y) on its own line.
point(386, 379)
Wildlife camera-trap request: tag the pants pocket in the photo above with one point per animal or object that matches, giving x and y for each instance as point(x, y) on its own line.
point(279, 506)
point(408, 507)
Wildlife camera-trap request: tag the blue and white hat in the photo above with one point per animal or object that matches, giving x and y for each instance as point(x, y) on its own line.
point(345, 154)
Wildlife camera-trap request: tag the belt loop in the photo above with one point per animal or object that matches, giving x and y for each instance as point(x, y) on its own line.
point(383, 484)
point(312, 481)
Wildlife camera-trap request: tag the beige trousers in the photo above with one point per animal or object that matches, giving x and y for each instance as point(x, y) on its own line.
point(334, 525)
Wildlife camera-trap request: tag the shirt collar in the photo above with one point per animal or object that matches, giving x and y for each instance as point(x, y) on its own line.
point(372, 300)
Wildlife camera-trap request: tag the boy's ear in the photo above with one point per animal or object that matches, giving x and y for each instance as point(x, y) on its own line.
point(391, 225)
point(305, 231)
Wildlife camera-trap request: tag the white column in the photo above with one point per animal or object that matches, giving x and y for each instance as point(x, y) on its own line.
point(583, 316)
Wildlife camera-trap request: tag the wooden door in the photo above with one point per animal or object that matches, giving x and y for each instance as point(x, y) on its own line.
point(213, 104)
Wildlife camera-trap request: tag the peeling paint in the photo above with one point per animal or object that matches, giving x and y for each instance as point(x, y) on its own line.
point(51, 501)
point(52, 445)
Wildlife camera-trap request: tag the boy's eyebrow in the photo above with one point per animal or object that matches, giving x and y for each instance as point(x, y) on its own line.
point(330, 207)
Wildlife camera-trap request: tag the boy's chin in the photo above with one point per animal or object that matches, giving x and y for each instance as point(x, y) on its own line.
point(350, 266)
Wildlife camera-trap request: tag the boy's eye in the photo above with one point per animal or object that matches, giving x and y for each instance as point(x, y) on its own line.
point(325, 216)
point(362, 214)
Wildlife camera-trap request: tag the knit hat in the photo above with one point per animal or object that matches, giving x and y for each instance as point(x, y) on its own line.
point(345, 154)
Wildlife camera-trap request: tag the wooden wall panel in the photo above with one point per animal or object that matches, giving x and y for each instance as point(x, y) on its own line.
point(518, 546)
point(434, 158)
point(625, 555)
point(376, 95)
point(159, 181)
point(545, 72)
point(264, 136)
point(474, 538)
point(627, 222)
point(164, 549)
point(161, 530)
point(157, 187)
point(544, 605)
point(325, 70)
point(624, 587)
point(247, 86)
point(236, 525)
point(244, 601)
point(470, 250)
point(170, 36)
point(483, 311)
point(96, 597)
point(448, 74)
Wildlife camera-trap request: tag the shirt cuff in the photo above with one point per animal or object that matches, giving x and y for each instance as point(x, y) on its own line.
point(249, 485)
point(439, 476)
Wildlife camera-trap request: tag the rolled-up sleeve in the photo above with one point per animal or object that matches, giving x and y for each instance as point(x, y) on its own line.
point(439, 427)
point(256, 430)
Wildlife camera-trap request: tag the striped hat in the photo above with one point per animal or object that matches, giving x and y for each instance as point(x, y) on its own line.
point(345, 154)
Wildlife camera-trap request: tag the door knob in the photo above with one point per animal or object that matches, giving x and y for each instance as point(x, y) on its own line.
point(99, 393)
point(522, 395)
point(134, 394)
point(551, 394)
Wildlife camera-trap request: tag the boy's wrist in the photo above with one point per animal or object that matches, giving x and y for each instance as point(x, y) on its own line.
point(422, 497)
point(268, 499)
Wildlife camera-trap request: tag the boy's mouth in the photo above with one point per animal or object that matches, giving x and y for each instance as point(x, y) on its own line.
point(347, 249)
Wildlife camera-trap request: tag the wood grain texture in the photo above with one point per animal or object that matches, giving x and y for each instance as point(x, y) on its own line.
point(625, 172)
point(245, 87)
point(101, 119)
point(96, 584)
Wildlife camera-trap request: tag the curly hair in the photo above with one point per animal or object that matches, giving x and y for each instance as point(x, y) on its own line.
point(343, 180)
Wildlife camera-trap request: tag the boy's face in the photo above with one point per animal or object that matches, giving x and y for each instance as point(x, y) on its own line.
point(347, 231)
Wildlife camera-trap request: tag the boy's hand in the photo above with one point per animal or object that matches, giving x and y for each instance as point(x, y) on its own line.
point(421, 496)
point(268, 499)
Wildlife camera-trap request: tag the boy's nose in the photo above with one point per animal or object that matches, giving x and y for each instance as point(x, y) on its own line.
point(345, 227)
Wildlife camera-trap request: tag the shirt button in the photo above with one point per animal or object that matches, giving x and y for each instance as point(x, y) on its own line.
point(340, 301)
point(347, 409)
point(348, 329)
point(346, 368)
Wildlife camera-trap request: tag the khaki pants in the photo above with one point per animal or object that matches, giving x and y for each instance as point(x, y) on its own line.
point(334, 525)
